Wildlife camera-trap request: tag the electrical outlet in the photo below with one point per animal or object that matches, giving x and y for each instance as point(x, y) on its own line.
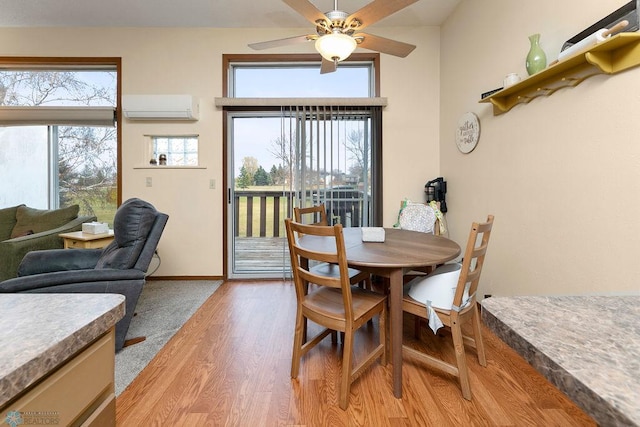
point(212, 184)
point(149, 182)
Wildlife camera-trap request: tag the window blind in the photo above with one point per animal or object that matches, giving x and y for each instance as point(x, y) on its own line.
point(63, 116)
point(331, 156)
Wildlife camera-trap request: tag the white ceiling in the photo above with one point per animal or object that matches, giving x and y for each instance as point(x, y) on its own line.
point(197, 13)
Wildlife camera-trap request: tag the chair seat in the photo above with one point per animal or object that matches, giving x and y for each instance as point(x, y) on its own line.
point(329, 303)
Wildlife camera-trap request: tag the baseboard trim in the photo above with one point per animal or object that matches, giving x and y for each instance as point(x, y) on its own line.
point(151, 278)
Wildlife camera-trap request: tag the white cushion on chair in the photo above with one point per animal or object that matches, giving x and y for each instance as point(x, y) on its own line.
point(439, 286)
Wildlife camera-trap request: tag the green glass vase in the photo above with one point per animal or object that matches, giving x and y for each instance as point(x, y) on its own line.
point(536, 58)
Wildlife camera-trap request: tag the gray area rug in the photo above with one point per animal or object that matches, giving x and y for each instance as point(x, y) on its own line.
point(164, 306)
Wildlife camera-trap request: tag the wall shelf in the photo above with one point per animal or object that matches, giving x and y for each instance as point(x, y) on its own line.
point(612, 56)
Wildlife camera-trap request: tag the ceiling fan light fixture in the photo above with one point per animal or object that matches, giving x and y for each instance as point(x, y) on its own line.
point(335, 46)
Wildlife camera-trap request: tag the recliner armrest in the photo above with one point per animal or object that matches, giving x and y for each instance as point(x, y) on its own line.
point(37, 262)
point(75, 279)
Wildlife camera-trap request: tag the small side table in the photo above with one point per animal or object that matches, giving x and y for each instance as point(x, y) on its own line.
point(80, 240)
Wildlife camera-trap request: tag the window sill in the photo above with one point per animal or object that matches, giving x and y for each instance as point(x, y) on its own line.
point(168, 167)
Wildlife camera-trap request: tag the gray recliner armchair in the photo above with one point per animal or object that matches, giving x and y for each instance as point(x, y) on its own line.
point(119, 268)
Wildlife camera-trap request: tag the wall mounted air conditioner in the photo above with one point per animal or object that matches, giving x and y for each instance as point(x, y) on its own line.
point(160, 107)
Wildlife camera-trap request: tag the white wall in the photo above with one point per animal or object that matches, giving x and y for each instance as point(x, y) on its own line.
point(561, 174)
point(189, 61)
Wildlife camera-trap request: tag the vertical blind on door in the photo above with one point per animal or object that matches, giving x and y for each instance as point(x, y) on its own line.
point(334, 158)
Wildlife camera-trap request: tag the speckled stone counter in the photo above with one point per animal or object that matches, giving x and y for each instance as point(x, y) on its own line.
point(587, 346)
point(39, 332)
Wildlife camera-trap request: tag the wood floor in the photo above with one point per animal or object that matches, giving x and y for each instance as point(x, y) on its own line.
point(230, 366)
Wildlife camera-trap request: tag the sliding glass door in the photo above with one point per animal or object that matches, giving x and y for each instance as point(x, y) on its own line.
point(297, 138)
point(258, 197)
point(300, 156)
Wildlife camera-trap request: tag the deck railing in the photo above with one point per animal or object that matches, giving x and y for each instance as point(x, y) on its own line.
point(262, 213)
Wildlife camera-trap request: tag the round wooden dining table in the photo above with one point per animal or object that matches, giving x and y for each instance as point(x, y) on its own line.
point(401, 251)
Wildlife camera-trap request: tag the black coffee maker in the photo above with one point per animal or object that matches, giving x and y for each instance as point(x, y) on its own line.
point(436, 190)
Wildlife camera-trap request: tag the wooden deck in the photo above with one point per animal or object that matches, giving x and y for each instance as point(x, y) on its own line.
point(256, 254)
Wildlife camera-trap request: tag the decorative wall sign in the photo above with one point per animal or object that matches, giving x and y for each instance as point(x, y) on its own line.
point(467, 132)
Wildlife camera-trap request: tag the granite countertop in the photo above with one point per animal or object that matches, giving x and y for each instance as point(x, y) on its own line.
point(587, 346)
point(39, 332)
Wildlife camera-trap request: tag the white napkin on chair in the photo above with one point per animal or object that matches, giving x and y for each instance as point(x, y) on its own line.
point(434, 321)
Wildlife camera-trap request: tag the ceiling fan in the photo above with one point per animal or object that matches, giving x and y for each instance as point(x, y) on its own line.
point(339, 33)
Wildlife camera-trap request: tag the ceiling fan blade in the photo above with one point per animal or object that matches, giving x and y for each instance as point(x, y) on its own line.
point(308, 10)
point(377, 10)
point(380, 44)
point(281, 42)
point(327, 66)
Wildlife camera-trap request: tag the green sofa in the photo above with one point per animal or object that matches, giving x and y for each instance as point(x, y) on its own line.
point(24, 229)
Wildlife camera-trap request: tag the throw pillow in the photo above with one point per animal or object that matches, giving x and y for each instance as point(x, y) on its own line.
point(42, 220)
point(417, 217)
point(7, 222)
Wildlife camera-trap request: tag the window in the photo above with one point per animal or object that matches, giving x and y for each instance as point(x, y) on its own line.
point(282, 80)
point(58, 135)
point(175, 150)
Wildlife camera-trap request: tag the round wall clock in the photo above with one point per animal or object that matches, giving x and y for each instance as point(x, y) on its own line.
point(467, 132)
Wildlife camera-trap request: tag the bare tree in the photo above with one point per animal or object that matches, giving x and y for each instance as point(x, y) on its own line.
point(39, 88)
point(284, 150)
point(355, 145)
point(251, 166)
point(87, 166)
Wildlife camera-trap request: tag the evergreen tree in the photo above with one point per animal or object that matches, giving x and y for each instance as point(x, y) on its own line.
point(261, 177)
point(244, 179)
point(273, 174)
point(277, 175)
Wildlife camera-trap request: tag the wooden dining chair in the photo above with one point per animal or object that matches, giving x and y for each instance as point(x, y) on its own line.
point(319, 217)
point(334, 304)
point(452, 297)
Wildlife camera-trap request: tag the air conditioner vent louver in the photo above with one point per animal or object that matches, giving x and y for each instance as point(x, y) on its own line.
point(160, 107)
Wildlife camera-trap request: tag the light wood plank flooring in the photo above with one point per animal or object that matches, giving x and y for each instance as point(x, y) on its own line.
point(230, 366)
